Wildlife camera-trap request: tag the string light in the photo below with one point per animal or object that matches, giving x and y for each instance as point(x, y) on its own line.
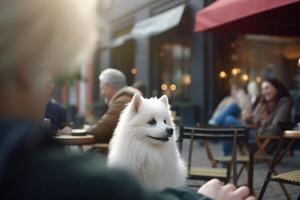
point(164, 87)
point(235, 71)
point(258, 79)
point(245, 77)
point(223, 74)
point(172, 87)
point(186, 79)
point(133, 71)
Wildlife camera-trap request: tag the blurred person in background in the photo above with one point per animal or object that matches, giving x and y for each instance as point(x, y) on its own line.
point(58, 33)
point(254, 93)
point(116, 94)
point(55, 112)
point(239, 97)
point(274, 107)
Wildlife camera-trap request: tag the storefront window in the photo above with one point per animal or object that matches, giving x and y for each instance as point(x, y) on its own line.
point(253, 57)
point(174, 65)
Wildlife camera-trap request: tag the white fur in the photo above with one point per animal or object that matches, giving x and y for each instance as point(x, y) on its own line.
point(156, 163)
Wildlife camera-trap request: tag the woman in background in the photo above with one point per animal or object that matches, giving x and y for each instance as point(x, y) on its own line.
point(274, 106)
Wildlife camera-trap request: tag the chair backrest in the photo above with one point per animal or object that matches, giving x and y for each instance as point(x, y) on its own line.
point(214, 133)
point(233, 134)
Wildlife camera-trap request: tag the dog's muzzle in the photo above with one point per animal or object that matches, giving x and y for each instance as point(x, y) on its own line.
point(169, 132)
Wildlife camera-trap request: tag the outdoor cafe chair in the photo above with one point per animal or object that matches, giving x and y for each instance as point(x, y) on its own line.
point(263, 142)
point(291, 177)
point(215, 134)
point(241, 158)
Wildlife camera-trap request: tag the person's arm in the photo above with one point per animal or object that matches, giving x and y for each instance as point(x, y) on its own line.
point(283, 112)
point(104, 128)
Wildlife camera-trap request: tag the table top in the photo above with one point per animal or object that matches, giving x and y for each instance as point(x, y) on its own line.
point(75, 140)
point(293, 134)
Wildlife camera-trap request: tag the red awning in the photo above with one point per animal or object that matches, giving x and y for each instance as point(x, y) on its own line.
point(276, 17)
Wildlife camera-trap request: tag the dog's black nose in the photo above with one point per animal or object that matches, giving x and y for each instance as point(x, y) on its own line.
point(169, 131)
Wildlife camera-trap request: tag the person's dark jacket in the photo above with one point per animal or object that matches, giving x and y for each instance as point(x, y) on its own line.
point(280, 114)
point(57, 114)
point(33, 166)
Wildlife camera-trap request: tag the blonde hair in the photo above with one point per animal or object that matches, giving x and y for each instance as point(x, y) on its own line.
point(57, 33)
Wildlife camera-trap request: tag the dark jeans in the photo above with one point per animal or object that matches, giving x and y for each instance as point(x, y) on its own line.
point(229, 117)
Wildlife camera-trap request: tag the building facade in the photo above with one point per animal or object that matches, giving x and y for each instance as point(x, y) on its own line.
point(153, 41)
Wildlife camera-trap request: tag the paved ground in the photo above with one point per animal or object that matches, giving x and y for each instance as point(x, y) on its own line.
point(260, 169)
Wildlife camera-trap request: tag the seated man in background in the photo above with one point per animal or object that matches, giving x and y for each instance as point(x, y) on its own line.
point(116, 94)
point(32, 166)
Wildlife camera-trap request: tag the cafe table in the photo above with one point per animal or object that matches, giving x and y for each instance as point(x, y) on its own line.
point(75, 140)
point(292, 134)
point(78, 138)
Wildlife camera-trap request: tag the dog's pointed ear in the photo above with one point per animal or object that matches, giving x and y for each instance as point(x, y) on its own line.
point(165, 100)
point(136, 102)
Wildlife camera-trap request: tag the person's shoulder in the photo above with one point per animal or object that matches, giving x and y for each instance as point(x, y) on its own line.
point(128, 91)
point(125, 94)
point(55, 105)
point(285, 100)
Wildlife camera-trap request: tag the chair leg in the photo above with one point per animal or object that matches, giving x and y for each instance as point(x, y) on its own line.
point(228, 173)
point(242, 148)
point(288, 197)
point(240, 171)
point(233, 159)
point(277, 157)
point(261, 150)
point(250, 167)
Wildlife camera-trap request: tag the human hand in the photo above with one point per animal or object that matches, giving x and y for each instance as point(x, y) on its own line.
point(247, 116)
point(216, 190)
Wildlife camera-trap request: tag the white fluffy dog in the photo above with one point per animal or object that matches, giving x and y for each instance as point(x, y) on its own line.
point(144, 143)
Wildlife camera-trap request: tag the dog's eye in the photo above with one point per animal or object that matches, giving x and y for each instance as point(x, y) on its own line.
point(165, 121)
point(152, 122)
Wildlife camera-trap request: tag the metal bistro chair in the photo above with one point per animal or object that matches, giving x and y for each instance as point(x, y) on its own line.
point(291, 177)
point(241, 158)
point(264, 140)
point(215, 134)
